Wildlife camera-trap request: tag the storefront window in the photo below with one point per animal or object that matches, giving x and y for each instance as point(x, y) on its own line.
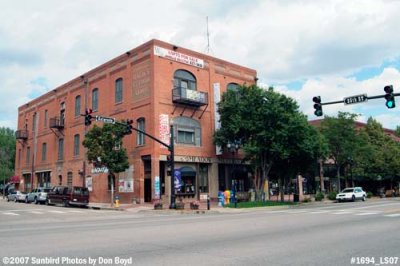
point(203, 178)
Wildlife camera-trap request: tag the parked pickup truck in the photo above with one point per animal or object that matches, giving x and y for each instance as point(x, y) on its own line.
point(75, 196)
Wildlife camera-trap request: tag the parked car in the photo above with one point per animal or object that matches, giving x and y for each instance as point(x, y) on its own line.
point(351, 194)
point(38, 195)
point(16, 196)
point(76, 196)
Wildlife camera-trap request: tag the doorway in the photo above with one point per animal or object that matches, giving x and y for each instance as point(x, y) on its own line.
point(147, 190)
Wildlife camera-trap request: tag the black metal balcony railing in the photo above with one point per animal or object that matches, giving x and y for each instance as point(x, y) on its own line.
point(55, 122)
point(189, 97)
point(21, 134)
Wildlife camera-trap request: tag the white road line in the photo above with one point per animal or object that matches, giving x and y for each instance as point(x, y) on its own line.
point(366, 213)
point(10, 213)
point(56, 212)
point(35, 212)
point(392, 215)
point(317, 212)
point(76, 211)
point(341, 213)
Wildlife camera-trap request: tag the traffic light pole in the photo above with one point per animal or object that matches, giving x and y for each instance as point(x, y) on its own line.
point(170, 148)
point(369, 98)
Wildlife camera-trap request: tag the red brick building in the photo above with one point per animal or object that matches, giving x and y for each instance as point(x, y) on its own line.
point(155, 84)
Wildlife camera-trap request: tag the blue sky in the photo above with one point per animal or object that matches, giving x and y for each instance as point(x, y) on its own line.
point(303, 48)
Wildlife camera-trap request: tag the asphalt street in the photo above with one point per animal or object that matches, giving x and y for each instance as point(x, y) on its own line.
point(310, 234)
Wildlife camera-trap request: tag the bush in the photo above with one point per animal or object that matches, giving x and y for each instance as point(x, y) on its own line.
point(307, 200)
point(332, 195)
point(369, 194)
point(320, 196)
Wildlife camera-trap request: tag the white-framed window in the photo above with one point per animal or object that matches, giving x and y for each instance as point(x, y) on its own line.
point(76, 144)
point(140, 137)
point(77, 106)
point(95, 100)
point(118, 90)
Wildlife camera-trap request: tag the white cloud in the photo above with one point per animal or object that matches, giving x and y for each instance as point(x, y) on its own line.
point(320, 42)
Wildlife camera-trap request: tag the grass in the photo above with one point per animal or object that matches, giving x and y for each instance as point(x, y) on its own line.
point(253, 204)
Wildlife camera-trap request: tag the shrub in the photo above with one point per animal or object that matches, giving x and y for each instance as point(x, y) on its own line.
point(320, 196)
point(307, 200)
point(369, 194)
point(332, 195)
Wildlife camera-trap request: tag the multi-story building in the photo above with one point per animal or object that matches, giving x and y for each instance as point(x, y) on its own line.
point(156, 84)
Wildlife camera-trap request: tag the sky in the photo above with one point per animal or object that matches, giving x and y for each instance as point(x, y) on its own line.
point(303, 48)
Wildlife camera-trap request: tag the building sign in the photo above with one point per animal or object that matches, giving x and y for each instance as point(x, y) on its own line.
point(141, 81)
point(217, 99)
point(195, 96)
point(195, 159)
point(178, 57)
point(125, 182)
point(89, 183)
point(157, 186)
point(164, 129)
point(99, 170)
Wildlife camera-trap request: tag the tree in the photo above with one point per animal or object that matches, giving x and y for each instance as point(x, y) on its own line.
point(7, 153)
point(340, 133)
point(104, 148)
point(270, 127)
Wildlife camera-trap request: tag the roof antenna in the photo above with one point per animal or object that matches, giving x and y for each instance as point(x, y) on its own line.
point(208, 39)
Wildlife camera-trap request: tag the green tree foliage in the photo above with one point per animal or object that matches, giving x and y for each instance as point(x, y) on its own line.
point(271, 129)
point(104, 147)
point(7, 153)
point(340, 133)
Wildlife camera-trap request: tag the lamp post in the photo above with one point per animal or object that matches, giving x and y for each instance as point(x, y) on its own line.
point(233, 147)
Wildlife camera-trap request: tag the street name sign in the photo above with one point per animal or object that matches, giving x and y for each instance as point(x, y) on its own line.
point(104, 119)
point(356, 99)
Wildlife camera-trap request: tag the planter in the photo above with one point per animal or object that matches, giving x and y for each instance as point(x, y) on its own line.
point(158, 206)
point(194, 207)
point(180, 206)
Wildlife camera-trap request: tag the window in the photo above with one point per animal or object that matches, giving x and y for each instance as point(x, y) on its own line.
point(19, 157)
point(76, 145)
point(45, 118)
point(232, 86)
point(184, 79)
point(77, 106)
point(28, 154)
point(69, 179)
point(95, 100)
point(188, 131)
point(140, 136)
point(44, 151)
point(61, 149)
point(118, 90)
point(34, 122)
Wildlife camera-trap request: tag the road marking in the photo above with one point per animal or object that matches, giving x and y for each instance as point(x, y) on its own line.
point(317, 212)
point(342, 212)
point(35, 212)
point(366, 213)
point(392, 215)
point(10, 213)
point(57, 212)
point(76, 211)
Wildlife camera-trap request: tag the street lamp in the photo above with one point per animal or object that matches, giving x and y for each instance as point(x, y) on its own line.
point(233, 147)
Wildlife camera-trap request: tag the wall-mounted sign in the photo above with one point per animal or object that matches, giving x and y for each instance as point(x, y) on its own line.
point(178, 57)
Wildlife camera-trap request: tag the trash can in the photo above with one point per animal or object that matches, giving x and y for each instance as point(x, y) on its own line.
point(296, 197)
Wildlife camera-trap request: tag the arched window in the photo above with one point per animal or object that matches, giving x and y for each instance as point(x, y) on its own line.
point(77, 106)
point(184, 79)
point(232, 86)
point(95, 100)
point(140, 140)
point(118, 90)
point(188, 131)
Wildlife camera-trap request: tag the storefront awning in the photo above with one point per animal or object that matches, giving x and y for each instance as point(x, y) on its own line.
point(187, 171)
point(15, 179)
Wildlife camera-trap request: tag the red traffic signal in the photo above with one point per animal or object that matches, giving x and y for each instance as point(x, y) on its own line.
point(88, 116)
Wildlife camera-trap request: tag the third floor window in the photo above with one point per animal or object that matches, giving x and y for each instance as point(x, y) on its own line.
point(118, 90)
point(95, 100)
point(77, 106)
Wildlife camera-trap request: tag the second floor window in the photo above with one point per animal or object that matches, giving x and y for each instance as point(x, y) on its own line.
point(95, 100)
point(77, 106)
point(28, 154)
point(188, 131)
point(118, 90)
point(45, 118)
point(44, 151)
point(34, 122)
point(61, 149)
point(140, 136)
point(76, 145)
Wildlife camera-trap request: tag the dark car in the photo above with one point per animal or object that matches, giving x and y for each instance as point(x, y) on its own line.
point(74, 196)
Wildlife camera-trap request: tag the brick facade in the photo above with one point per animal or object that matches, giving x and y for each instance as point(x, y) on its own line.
point(150, 73)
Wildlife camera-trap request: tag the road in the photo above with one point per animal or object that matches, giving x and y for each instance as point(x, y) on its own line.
point(314, 234)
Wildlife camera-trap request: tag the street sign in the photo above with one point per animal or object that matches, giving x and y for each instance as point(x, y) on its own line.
point(104, 119)
point(356, 99)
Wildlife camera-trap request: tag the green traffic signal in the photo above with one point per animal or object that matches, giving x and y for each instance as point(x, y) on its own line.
point(390, 101)
point(317, 106)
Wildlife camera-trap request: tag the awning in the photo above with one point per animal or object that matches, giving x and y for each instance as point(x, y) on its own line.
point(15, 180)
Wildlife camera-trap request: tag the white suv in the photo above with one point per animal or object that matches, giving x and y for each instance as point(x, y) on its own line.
point(351, 194)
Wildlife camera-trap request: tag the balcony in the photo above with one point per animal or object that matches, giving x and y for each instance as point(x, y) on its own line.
point(21, 134)
point(55, 122)
point(189, 97)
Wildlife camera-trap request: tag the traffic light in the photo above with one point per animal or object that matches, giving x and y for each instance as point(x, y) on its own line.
point(170, 162)
point(389, 96)
point(317, 106)
point(129, 127)
point(88, 117)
